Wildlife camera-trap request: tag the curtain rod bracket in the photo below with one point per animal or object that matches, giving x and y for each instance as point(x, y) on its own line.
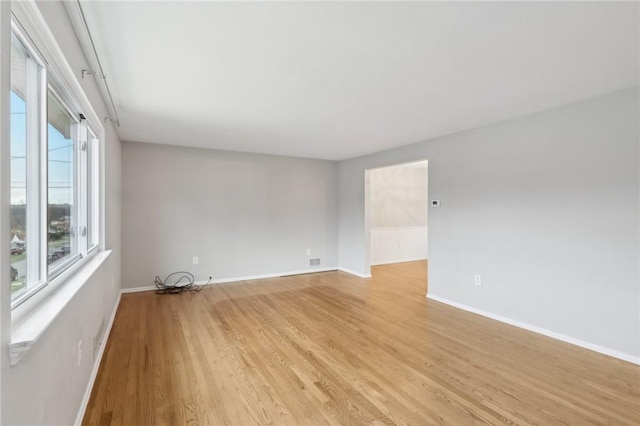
point(114, 122)
point(93, 74)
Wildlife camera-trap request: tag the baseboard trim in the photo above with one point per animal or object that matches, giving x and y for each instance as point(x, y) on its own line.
point(355, 273)
point(236, 279)
point(137, 289)
point(562, 337)
point(389, 262)
point(96, 364)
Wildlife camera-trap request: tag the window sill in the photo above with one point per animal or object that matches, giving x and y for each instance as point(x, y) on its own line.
point(26, 331)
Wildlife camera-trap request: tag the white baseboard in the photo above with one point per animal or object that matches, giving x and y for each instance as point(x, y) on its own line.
point(568, 339)
point(355, 273)
point(236, 279)
point(389, 262)
point(96, 364)
point(138, 289)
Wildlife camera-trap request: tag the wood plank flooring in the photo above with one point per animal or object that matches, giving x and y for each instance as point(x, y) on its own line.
point(331, 348)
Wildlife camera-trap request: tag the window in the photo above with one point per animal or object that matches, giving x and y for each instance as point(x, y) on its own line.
point(27, 77)
point(62, 185)
point(55, 212)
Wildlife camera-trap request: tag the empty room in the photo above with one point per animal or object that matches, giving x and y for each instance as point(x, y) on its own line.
point(314, 213)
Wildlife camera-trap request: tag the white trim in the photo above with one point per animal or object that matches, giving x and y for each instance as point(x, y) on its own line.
point(76, 16)
point(96, 364)
point(355, 273)
point(393, 228)
point(137, 289)
point(28, 14)
point(236, 279)
point(568, 339)
point(389, 262)
point(5, 178)
point(31, 321)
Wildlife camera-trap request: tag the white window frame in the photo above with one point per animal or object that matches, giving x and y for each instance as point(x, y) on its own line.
point(78, 220)
point(58, 76)
point(36, 179)
point(94, 155)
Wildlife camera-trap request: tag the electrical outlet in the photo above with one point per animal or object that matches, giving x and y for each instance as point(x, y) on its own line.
point(195, 260)
point(477, 280)
point(308, 252)
point(79, 352)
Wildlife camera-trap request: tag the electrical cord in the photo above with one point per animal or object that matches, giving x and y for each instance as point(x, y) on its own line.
point(177, 282)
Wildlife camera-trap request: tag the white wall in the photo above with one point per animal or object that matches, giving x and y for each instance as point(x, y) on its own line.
point(398, 213)
point(544, 207)
point(47, 386)
point(398, 244)
point(240, 214)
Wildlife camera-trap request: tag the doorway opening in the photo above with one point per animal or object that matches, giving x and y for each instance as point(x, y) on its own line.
point(396, 217)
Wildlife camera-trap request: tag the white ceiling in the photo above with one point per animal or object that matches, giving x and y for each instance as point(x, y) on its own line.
point(335, 80)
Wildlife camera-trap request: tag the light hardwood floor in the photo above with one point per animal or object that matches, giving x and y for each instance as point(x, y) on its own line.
point(331, 348)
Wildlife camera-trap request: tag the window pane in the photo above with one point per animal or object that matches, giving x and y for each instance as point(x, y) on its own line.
point(62, 183)
point(24, 142)
point(18, 194)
